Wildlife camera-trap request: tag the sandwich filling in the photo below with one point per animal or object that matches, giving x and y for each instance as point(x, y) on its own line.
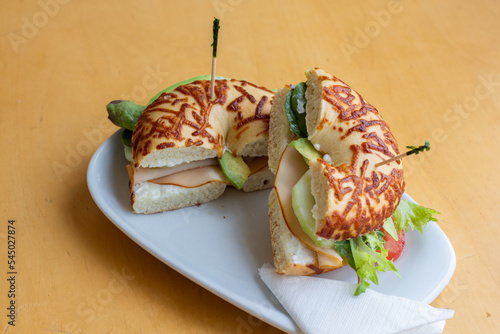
point(193, 174)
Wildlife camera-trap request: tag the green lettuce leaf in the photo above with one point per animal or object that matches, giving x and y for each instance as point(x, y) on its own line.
point(410, 215)
point(391, 229)
point(367, 255)
point(343, 247)
point(368, 261)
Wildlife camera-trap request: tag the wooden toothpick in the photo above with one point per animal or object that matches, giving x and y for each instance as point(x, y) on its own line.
point(413, 150)
point(216, 28)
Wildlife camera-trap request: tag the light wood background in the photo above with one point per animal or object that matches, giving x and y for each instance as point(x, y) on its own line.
point(432, 68)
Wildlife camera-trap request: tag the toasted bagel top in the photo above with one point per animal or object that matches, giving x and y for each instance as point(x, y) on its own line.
point(185, 125)
point(353, 197)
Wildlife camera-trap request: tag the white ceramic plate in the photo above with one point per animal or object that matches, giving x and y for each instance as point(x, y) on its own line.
point(220, 245)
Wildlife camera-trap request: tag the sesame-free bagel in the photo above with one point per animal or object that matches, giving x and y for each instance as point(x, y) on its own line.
point(179, 134)
point(353, 197)
point(185, 125)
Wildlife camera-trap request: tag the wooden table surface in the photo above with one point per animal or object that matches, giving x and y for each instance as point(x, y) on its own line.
point(431, 68)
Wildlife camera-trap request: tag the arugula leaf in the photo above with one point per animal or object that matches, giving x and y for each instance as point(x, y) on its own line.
point(414, 216)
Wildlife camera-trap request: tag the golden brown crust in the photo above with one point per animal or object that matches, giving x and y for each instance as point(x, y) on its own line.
point(187, 120)
point(353, 197)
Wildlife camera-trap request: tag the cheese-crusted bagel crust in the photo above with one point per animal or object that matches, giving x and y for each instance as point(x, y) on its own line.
point(353, 197)
point(186, 125)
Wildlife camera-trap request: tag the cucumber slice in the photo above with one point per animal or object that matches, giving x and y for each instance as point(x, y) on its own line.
point(303, 202)
point(234, 169)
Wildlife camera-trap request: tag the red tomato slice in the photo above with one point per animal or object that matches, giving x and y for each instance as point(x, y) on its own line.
point(395, 247)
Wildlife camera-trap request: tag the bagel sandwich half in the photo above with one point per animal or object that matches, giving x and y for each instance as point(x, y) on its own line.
point(185, 148)
point(330, 205)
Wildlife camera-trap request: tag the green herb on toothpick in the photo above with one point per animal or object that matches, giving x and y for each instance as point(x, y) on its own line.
point(216, 28)
point(413, 150)
point(417, 150)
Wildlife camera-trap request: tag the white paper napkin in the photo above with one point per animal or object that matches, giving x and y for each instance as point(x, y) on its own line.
point(319, 305)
